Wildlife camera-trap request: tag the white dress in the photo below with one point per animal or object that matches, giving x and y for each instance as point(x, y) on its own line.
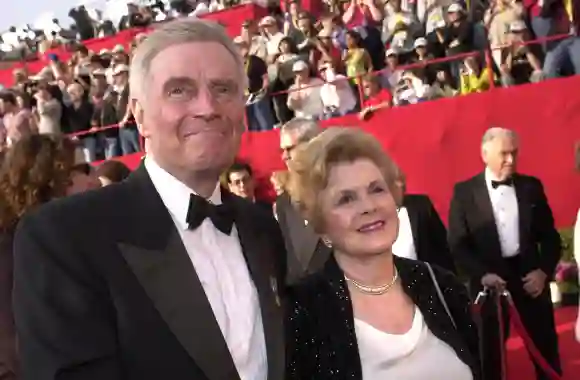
point(415, 355)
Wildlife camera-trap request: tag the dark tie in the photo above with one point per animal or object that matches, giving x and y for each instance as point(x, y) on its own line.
point(200, 208)
point(505, 182)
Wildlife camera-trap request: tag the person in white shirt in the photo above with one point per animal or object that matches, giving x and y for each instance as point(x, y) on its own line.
point(422, 235)
point(165, 275)
point(304, 94)
point(411, 90)
point(336, 94)
point(273, 37)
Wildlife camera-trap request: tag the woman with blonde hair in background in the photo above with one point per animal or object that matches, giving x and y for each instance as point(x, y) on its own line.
point(34, 171)
point(369, 314)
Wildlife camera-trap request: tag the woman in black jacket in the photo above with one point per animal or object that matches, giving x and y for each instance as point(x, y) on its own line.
point(368, 314)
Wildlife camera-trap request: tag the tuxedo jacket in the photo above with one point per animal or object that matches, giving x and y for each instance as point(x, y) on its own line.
point(474, 240)
point(429, 233)
point(321, 336)
point(306, 251)
point(104, 289)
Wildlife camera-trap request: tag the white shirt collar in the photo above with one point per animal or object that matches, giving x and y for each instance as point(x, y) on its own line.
point(174, 193)
point(489, 176)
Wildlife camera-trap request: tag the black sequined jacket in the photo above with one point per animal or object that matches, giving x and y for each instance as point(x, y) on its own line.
point(321, 336)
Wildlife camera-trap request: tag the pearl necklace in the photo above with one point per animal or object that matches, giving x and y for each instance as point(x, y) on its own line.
point(374, 290)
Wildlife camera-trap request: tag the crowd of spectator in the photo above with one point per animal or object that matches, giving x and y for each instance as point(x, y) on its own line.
point(355, 56)
point(91, 23)
point(363, 55)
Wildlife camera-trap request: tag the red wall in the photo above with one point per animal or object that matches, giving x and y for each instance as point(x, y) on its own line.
point(437, 143)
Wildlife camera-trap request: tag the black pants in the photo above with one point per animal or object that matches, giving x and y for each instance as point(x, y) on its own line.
point(537, 316)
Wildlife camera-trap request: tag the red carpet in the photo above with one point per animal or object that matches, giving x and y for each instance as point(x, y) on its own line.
point(519, 365)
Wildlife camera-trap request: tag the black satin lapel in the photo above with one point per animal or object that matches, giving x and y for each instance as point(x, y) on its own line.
point(485, 210)
point(524, 209)
point(171, 282)
point(319, 258)
point(258, 255)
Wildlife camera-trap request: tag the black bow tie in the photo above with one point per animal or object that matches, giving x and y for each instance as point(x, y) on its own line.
point(200, 208)
point(505, 182)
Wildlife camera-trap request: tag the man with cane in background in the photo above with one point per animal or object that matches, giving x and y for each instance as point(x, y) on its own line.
point(502, 234)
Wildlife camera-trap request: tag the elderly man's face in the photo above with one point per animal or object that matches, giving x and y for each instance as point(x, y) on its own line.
point(500, 155)
point(288, 143)
point(192, 108)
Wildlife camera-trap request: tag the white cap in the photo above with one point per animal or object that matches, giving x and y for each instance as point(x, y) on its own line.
point(420, 42)
point(104, 51)
point(299, 66)
point(455, 8)
point(517, 26)
point(390, 52)
point(268, 20)
point(120, 69)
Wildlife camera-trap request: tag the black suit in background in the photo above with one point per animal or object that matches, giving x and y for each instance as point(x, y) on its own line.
point(429, 233)
point(104, 289)
point(475, 244)
point(306, 253)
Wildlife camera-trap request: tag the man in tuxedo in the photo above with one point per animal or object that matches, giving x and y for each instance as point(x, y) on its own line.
point(306, 251)
point(422, 234)
point(165, 275)
point(501, 232)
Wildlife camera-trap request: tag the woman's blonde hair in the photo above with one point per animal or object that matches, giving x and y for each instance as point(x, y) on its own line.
point(313, 161)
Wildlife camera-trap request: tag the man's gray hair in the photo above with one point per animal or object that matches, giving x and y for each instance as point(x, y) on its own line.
point(173, 33)
point(496, 132)
point(305, 129)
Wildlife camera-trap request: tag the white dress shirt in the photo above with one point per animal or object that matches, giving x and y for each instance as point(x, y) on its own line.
point(404, 246)
point(223, 273)
point(505, 211)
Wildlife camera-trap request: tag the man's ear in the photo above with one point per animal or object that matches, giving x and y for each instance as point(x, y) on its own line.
point(137, 111)
point(484, 154)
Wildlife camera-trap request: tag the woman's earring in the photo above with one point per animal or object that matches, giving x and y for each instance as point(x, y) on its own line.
point(327, 242)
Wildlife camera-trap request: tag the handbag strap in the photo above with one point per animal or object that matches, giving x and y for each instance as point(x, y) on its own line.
point(440, 294)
